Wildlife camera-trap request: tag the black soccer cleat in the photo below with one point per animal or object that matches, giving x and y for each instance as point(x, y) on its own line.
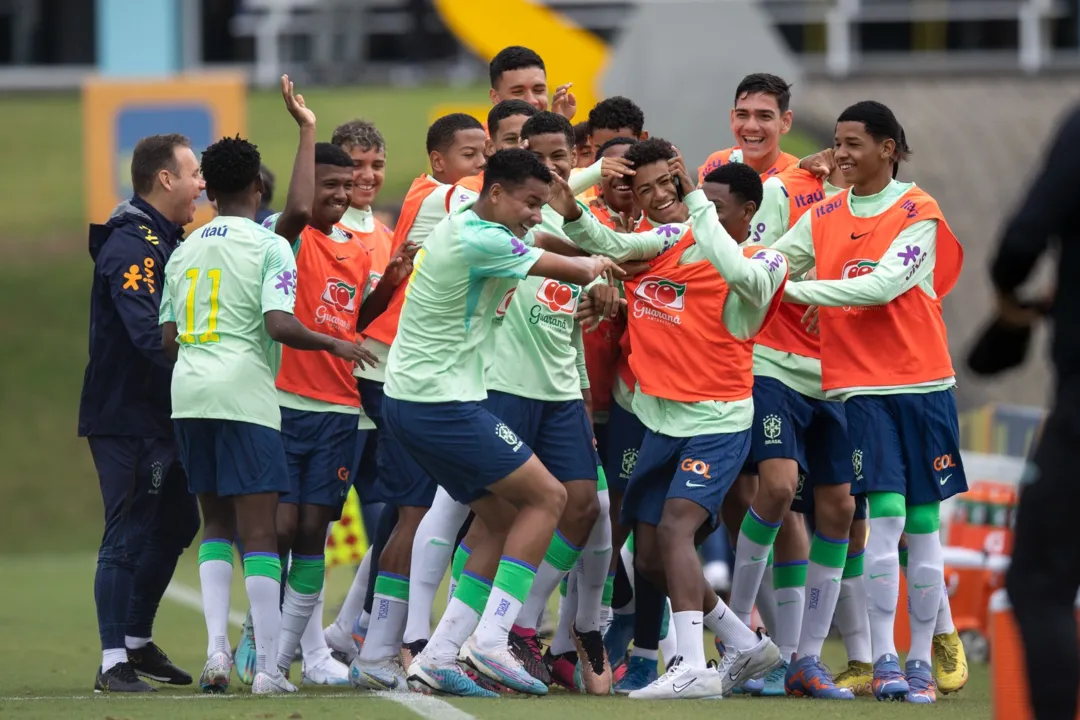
point(150, 662)
point(120, 678)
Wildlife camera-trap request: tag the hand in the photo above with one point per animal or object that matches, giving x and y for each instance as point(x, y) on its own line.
point(633, 268)
point(564, 103)
point(562, 199)
point(678, 169)
point(601, 265)
point(810, 320)
point(606, 298)
point(295, 104)
point(353, 351)
point(623, 223)
point(400, 265)
point(615, 167)
point(821, 164)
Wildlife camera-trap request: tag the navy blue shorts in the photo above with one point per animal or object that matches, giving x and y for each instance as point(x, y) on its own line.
point(558, 432)
point(229, 457)
point(400, 480)
point(463, 446)
point(701, 469)
point(907, 444)
point(365, 474)
point(319, 447)
point(624, 435)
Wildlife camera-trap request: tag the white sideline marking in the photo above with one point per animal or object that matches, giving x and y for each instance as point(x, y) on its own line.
point(191, 598)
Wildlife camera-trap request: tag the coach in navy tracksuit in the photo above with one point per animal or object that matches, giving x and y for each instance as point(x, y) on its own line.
point(124, 412)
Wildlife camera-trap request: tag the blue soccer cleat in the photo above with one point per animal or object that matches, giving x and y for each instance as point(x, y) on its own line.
point(450, 679)
point(808, 677)
point(618, 637)
point(640, 673)
point(921, 686)
point(889, 683)
point(245, 658)
point(502, 667)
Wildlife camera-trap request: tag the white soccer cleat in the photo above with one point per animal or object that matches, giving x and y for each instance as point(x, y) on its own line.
point(324, 670)
point(682, 682)
point(379, 675)
point(340, 642)
point(216, 673)
point(737, 667)
point(271, 684)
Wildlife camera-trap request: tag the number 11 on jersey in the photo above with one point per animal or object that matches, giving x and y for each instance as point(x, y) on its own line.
point(210, 335)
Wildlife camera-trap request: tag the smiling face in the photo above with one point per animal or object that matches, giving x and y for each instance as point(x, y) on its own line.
point(554, 151)
point(862, 159)
point(757, 124)
point(654, 190)
point(369, 172)
point(333, 186)
point(734, 214)
point(527, 83)
point(517, 206)
point(507, 134)
point(616, 189)
point(464, 158)
point(185, 187)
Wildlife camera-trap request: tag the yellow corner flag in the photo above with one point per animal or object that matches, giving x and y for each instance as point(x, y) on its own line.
point(348, 542)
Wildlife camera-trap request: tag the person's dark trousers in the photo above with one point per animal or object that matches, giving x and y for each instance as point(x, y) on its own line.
point(150, 519)
point(1044, 575)
point(370, 515)
point(383, 529)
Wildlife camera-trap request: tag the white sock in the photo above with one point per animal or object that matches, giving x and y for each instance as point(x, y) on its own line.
point(215, 580)
point(789, 612)
point(547, 580)
point(134, 643)
point(385, 631)
point(926, 582)
point(690, 637)
point(750, 560)
point(653, 655)
point(883, 582)
point(354, 600)
point(669, 644)
point(593, 567)
point(852, 620)
point(313, 642)
point(432, 549)
point(112, 657)
point(499, 614)
point(766, 601)
point(264, 594)
point(823, 591)
point(457, 624)
point(563, 642)
point(727, 626)
point(296, 614)
point(944, 624)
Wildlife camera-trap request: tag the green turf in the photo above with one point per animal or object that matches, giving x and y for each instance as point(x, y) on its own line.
point(49, 649)
point(42, 190)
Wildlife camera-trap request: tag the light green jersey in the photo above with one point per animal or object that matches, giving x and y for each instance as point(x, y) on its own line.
point(461, 277)
point(219, 284)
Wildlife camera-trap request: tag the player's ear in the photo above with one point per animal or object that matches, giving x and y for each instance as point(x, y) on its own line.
point(436, 160)
point(644, 135)
point(165, 178)
point(494, 96)
point(785, 122)
point(749, 210)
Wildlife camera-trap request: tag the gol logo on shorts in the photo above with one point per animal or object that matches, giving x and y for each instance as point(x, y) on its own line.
point(942, 462)
point(697, 467)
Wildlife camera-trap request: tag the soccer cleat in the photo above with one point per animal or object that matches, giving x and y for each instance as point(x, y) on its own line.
point(889, 682)
point(271, 684)
point(379, 675)
point(772, 685)
point(618, 637)
point(592, 662)
point(525, 647)
point(640, 673)
point(451, 679)
point(150, 662)
point(245, 657)
point(485, 682)
point(738, 666)
point(502, 667)
point(409, 651)
point(682, 682)
point(753, 686)
point(920, 683)
point(563, 669)
point(342, 645)
point(121, 678)
point(858, 676)
point(359, 633)
point(216, 673)
point(950, 663)
point(324, 670)
point(808, 677)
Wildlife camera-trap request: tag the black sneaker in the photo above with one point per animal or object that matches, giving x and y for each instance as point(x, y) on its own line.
point(409, 651)
point(120, 678)
point(150, 662)
point(525, 648)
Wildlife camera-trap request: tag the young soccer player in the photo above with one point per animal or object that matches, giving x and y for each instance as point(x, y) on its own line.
point(585, 151)
point(455, 146)
point(435, 384)
point(760, 116)
point(518, 73)
point(884, 353)
point(504, 123)
point(700, 286)
point(615, 117)
point(224, 401)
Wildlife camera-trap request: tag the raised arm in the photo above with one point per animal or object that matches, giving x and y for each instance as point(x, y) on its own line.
point(298, 203)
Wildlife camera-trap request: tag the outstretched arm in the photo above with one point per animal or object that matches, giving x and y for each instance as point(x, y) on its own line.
point(298, 203)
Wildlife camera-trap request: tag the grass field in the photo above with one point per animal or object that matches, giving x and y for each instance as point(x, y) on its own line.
point(49, 650)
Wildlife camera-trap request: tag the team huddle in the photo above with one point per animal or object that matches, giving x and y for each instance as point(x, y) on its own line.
point(570, 361)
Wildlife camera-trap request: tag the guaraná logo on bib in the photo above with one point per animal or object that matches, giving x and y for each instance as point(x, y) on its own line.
point(857, 268)
point(340, 294)
point(558, 297)
point(661, 293)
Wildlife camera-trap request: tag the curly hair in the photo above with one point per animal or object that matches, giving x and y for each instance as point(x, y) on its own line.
point(230, 165)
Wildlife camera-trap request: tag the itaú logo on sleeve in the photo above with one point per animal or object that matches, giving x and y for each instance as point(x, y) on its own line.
point(659, 298)
point(558, 297)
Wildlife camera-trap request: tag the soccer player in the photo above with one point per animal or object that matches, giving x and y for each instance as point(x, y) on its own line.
point(698, 420)
point(584, 150)
point(760, 116)
point(434, 390)
point(455, 145)
point(504, 123)
point(224, 402)
point(150, 516)
point(615, 117)
point(884, 353)
point(518, 73)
